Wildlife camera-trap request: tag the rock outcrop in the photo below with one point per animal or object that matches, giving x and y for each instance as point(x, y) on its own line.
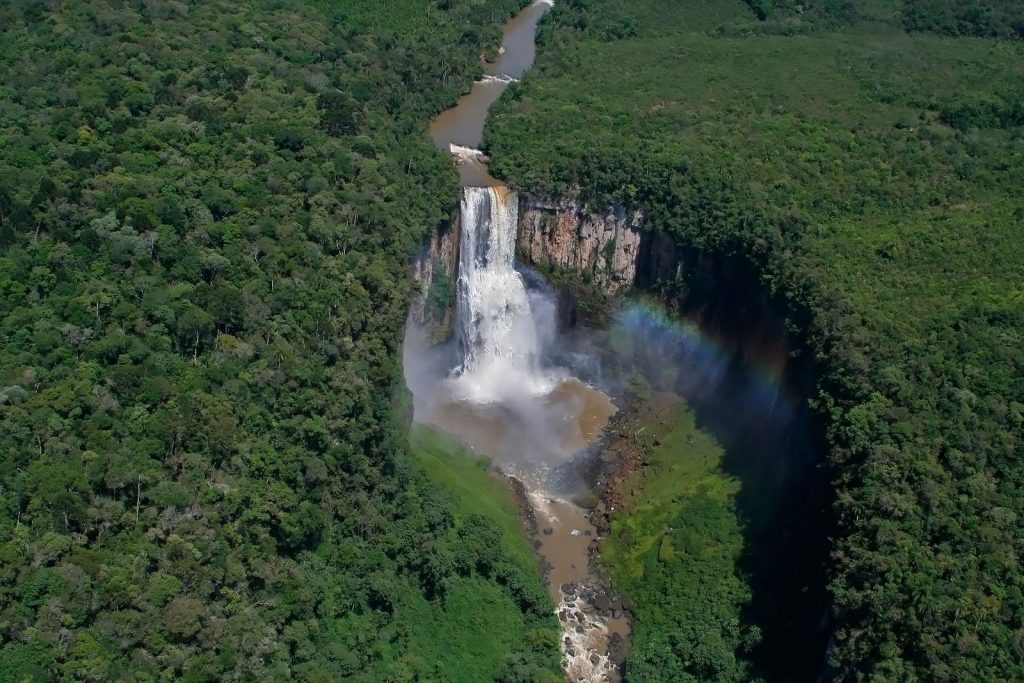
point(600, 247)
point(609, 252)
point(436, 268)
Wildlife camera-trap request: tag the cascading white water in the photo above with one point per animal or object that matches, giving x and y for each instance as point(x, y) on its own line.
point(532, 417)
point(495, 325)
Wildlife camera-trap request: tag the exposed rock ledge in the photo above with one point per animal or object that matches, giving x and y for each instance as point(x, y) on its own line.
point(563, 234)
point(435, 268)
point(609, 250)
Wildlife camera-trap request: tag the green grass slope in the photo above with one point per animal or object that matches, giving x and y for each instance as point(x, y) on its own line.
point(674, 552)
point(480, 627)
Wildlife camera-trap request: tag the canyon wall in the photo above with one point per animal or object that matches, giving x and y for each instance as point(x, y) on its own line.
point(436, 269)
point(605, 253)
point(602, 248)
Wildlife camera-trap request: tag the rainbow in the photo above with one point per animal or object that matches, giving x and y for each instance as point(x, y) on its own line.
point(670, 343)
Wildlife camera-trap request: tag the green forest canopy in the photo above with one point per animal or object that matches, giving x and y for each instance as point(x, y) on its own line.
point(867, 159)
point(206, 216)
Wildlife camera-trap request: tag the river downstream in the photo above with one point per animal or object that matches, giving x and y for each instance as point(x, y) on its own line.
point(491, 389)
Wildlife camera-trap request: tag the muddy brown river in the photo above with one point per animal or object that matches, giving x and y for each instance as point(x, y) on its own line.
point(460, 130)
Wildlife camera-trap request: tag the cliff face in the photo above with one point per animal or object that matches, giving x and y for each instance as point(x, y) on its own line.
point(601, 247)
point(436, 268)
point(609, 251)
point(659, 258)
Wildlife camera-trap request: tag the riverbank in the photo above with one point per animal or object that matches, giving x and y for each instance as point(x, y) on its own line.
point(499, 631)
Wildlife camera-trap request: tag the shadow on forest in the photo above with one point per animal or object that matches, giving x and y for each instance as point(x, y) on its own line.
point(784, 504)
point(776, 449)
point(727, 354)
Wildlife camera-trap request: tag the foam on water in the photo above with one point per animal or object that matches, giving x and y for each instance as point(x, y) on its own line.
point(498, 78)
point(495, 326)
point(464, 152)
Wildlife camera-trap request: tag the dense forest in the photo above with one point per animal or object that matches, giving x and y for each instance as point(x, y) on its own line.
point(207, 212)
point(865, 160)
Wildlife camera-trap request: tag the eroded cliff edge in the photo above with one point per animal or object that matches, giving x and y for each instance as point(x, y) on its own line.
point(608, 250)
point(562, 235)
point(436, 269)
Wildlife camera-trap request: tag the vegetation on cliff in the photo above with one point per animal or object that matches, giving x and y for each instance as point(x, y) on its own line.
point(866, 160)
point(675, 550)
point(206, 216)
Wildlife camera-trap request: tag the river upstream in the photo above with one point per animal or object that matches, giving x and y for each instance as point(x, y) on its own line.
point(491, 387)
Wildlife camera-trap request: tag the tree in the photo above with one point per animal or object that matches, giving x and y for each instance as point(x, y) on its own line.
point(193, 325)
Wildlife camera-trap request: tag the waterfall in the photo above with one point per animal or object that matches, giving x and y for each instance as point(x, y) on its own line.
point(495, 325)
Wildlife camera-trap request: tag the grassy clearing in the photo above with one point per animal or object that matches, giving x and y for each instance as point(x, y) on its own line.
point(475, 488)
point(684, 465)
point(674, 552)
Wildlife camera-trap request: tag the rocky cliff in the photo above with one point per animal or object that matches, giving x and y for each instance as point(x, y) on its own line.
point(436, 269)
point(608, 252)
point(601, 247)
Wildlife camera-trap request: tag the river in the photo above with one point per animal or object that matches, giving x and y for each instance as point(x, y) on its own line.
point(461, 129)
point(500, 398)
